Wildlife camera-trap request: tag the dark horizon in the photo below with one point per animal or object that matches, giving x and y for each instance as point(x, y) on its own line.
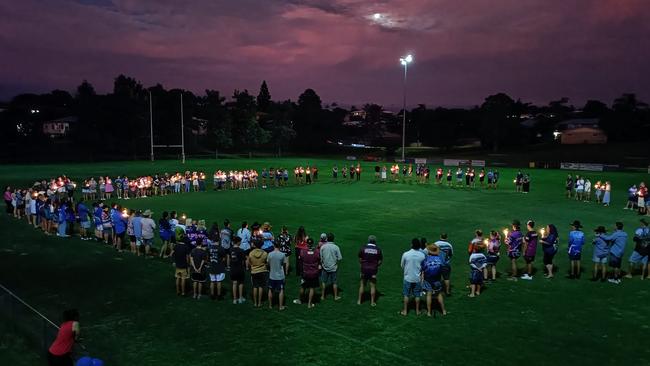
point(346, 50)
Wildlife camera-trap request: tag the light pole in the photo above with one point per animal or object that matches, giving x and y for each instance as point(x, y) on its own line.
point(405, 61)
point(151, 123)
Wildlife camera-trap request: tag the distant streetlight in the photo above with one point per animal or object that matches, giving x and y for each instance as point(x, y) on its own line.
point(376, 16)
point(404, 61)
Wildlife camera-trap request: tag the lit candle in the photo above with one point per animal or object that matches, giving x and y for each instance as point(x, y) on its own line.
point(542, 231)
point(183, 217)
point(485, 242)
point(505, 232)
point(125, 213)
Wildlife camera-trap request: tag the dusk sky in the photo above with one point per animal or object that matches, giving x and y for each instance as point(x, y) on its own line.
point(536, 50)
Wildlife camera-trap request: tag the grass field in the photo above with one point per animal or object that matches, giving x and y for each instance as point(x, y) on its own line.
point(131, 316)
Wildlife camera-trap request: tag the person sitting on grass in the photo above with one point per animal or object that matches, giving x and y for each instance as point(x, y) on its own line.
point(181, 258)
point(278, 264)
point(641, 249)
point(529, 249)
point(513, 241)
point(217, 268)
point(431, 276)
point(617, 242)
point(259, 271)
point(198, 265)
point(477, 263)
point(237, 270)
point(576, 241)
point(411, 264)
point(311, 268)
point(370, 258)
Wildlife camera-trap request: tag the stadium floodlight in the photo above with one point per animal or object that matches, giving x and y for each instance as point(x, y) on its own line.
point(404, 61)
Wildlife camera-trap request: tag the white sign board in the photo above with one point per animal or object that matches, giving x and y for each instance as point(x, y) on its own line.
point(582, 166)
point(463, 162)
point(420, 161)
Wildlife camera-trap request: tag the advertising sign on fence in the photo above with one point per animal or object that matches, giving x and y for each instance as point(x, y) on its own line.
point(420, 161)
point(463, 162)
point(582, 166)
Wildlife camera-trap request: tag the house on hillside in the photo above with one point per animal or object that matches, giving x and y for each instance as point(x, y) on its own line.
point(580, 131)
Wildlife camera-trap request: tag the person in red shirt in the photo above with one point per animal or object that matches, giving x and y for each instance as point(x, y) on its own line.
point(370, 258)
point(310, 271)
point(300, 241)
point(642, 195)
point(60, 352)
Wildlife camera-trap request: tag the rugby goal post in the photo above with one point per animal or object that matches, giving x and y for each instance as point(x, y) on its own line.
point(182, 144)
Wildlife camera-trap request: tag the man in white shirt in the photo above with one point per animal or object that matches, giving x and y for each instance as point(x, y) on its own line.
point(412, 266)
point(148, 226)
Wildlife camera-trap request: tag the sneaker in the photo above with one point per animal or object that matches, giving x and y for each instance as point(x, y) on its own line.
point(297, 302)
point(241, 300)
point(526, 276)
point(234, 302)
point(614, 281)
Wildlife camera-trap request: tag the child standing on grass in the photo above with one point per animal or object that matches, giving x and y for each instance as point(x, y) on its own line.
point(576, 241)
point(492, 257)
point(477, 263)
point(514, 241)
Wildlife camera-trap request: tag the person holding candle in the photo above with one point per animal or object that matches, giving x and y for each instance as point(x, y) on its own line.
point(631, 198)
point(549, 241)
point(607, 194)
point(598, 191)
point(514, 241)
point(300, 244)
point(576, 241)
point(493, 253)
point(267, 236)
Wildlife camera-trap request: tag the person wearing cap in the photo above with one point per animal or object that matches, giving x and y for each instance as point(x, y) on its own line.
point(311, 267)
point(431, 276)
point(576, 241)
point(148, 227)
point(617, 242)
point(446, 252)
point(330, 256)
point(370, 258)
point(600, 254)
point(514, 241)
point(259, 272)
point(322, 240)
point(641, 249)
point(530, 249)
point(411, 264)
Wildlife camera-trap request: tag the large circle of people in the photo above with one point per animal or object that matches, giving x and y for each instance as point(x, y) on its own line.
point(205, 255)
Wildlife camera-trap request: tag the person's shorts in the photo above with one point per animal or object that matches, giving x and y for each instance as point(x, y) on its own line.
point(217, 277)
point(514, 255)
point(548, 258)
point(237, 276)
point(575, 257)
point(432, 286)
point(259, 279)
point(99, 227)
point(198, 277)
point(636, 258)
point(476, 277)
point(445, 272)
point(641, 202)
point(412, 289)
point(599, 260)
point(529, 259)
point(328, 278)
point(614, 261)
point(132, 238)
point(85, 224)
point(276, 285)
point(492, 259)
point(107, 230)
point(181, 273)
point(368, 275)
point(165, 235)
point(147, 242)
point(309, 282)
point(120, 235)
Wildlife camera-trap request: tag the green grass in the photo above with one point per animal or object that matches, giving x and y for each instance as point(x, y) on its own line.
point(130, 314)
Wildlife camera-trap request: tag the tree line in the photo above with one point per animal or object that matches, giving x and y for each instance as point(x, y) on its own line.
point(116, 124)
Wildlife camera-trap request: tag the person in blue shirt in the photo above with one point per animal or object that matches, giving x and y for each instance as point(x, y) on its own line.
point(97, 219)
point(617, 242)
point(446, 253)
point(601, 252)
point(641, 249)
point(267, 236)
point(431, 278)
point(118, 219)
point(61, 220)
point(137, 230)
point(576, 241)
point(84, 223)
